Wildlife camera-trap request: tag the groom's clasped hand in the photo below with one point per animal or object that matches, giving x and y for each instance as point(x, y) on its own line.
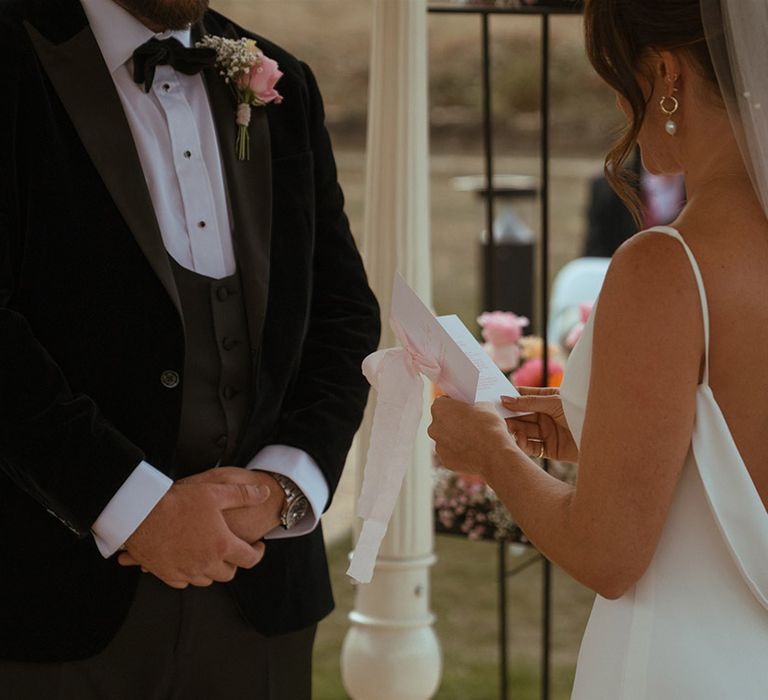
point(206, 527)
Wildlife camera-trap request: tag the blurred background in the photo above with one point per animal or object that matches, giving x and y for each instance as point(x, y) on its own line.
point(333, 36)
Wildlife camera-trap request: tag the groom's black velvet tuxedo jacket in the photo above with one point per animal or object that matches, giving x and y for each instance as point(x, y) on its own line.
point(90, 319)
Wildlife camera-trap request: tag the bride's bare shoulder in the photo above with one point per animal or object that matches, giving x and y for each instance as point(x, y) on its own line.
point(653, 264)
point(650, 293)
point(649, 312)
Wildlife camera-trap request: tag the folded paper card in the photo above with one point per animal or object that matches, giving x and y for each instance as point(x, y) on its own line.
point(445, 352)
point(492, 383)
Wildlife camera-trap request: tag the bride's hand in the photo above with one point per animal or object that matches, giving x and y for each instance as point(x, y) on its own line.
point(545, 426)
point(466, 436)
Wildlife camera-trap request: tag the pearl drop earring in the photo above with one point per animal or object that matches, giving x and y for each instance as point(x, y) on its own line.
point(671, 126)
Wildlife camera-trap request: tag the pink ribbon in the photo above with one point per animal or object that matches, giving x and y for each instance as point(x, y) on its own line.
point(396, 375)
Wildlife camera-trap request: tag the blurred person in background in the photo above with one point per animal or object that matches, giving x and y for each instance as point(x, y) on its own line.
point(610, 222)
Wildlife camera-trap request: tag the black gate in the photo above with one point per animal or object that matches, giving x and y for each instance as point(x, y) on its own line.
point(485, 11)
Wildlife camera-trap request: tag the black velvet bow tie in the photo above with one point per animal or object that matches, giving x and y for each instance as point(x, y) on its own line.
point(161, 52)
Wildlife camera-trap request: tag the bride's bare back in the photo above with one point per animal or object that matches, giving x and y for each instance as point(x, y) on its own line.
point(728, 232)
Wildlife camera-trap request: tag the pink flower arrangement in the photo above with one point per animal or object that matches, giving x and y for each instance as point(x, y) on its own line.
point(502, 327)
point(468, 507)
point(508, 348)
point(532, 372)
point(502, 331)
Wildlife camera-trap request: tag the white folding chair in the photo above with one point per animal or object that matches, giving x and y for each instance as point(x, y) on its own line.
point(578, 282)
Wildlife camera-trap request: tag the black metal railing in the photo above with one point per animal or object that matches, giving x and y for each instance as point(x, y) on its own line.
point(545, 12)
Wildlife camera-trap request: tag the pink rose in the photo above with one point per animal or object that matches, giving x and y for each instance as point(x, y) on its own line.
point(532, 372)
point(502, 327)
point(262, 79)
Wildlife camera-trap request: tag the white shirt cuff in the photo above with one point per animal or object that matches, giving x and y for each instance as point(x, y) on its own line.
point(133, 502)
point(303, 471)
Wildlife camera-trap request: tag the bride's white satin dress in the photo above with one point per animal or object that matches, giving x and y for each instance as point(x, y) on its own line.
point(695, 626)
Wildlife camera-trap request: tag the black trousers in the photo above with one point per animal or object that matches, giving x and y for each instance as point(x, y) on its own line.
point(176, 645)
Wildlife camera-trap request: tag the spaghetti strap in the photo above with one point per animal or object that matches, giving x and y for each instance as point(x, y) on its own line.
point(674, 233)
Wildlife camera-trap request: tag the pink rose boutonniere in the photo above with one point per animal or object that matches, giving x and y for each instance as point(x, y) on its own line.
point(252, 76)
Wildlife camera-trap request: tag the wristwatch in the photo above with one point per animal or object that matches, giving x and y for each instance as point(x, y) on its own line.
point(296, 503)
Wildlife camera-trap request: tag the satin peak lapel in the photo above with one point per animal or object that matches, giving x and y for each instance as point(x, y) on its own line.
point(249, 189)
point(85, 87)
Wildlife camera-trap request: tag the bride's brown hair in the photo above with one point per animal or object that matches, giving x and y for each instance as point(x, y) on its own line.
point(619, 35)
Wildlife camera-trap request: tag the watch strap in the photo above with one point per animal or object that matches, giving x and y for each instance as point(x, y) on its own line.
point(296, 504)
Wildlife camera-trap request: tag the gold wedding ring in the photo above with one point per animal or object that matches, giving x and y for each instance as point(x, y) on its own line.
point(541, 446)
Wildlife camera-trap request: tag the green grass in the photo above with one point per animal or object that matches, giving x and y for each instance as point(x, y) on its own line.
point(464, 599)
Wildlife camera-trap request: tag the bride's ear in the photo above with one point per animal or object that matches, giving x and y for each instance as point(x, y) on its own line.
point(669, 68)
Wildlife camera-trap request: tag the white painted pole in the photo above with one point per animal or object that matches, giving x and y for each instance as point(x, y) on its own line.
point(391, 651)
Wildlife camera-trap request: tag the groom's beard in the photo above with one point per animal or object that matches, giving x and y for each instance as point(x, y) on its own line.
point(161, 15)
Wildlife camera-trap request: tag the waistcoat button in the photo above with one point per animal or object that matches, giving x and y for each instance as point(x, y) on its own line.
point(222, 293)
point(169, 379)
point(221, 441)
point(228, 343)
point(229, 392)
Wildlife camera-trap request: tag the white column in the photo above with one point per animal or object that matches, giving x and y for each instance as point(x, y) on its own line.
point(391, 651)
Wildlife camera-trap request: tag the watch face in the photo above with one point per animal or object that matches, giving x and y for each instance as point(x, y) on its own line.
point(298, 509)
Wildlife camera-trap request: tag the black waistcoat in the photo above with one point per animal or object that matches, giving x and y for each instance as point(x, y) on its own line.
point(216, 381)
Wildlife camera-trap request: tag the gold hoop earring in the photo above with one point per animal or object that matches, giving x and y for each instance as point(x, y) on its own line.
point(671, 126)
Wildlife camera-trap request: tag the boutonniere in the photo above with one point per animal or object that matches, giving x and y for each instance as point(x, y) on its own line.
point(252, 77)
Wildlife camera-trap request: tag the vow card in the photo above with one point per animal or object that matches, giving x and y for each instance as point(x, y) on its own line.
point(467, 372)
point(459, 377)
point(492, 382)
